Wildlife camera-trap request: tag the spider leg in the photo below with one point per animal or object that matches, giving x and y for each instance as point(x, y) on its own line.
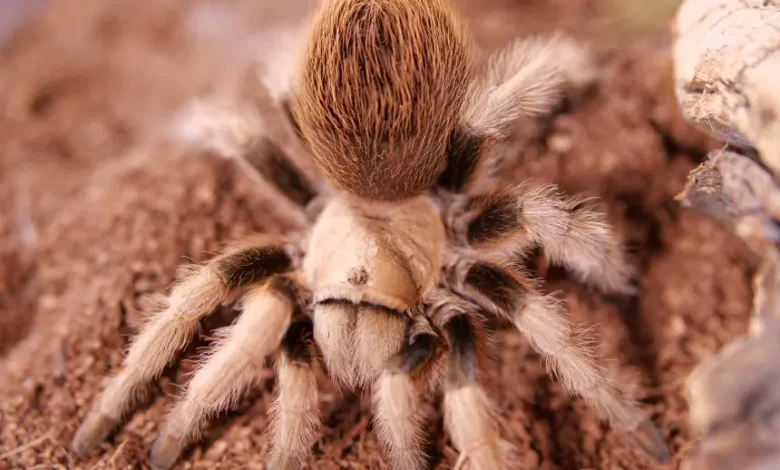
point(525, 78)
point(235, 131)
point(506, 292)
point(281, 70)
point(397, 412)
point(230, 370)
point(197, 293)
point(288, 167)
point(277, 166)
point(295, 413)
point(567, 230)
point(239, 129)
point(470, 417)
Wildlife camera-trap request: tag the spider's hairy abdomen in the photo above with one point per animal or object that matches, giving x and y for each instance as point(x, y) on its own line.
point(380, 90)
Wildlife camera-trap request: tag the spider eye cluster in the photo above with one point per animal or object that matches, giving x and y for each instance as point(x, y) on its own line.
point(379, 92)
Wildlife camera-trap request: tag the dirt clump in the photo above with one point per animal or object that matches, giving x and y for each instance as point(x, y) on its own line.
point(96, 213)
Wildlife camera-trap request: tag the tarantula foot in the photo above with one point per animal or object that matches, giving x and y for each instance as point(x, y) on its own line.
point(92, 432)
point(166, 451)
point(647, 438)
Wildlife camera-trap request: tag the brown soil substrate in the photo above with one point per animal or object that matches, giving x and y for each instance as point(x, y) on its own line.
point(93, 218)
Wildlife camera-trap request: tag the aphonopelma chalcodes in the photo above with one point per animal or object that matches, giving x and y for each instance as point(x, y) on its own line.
point(405, 258)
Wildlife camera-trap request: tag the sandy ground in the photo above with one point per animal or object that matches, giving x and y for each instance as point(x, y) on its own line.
point(94, 215)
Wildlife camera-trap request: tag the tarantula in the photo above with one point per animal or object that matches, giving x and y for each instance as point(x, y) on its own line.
point(404, 260)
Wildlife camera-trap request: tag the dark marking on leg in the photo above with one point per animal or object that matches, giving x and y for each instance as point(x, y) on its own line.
point(270, 160)
point(416, 355)
point(463, 152)
point(298, 341)
point(287, 287)
point(498, 215)
point(251, 265)
point(494, 283)
point(463, 360)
